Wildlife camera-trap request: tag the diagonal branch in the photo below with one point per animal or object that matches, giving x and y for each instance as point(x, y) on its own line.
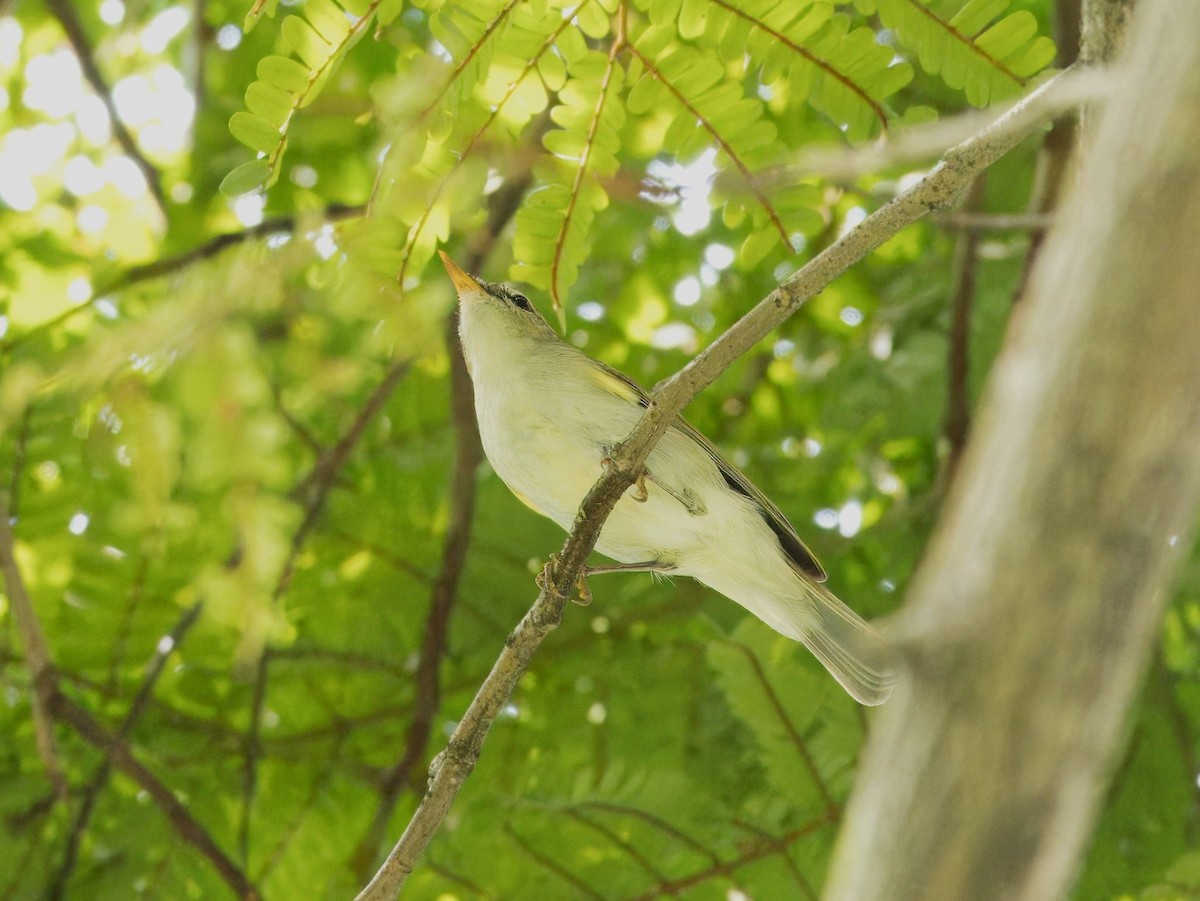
point(54, 704)
point(831, 805)
point(37, 656)
point(936, 191)
point(165, 266)
point(64, 11)
point(154, 669)
point(119, 752)
point(582, 889)
point(765, 847)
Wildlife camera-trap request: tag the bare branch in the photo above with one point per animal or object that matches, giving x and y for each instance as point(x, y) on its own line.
point(37, 656)
point(136, 274)
point(915, 145)
point(765, 847)
point(314, 488)
point(958, 364)
point(154, 669)
point(832, 810)
point(181, 819)
point(936, 191)
point(582, 889)
point(64, 11)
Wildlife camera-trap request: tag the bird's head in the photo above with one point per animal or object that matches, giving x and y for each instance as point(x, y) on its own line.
point(493, 301)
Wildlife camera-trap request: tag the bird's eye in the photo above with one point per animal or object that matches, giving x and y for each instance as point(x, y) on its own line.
point(521, 301)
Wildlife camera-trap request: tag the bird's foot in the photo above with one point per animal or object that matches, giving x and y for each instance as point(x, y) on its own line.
point(641, 494)
point(583, 594)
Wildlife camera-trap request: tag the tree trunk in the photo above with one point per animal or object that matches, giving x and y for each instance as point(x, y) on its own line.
point(1031, 622)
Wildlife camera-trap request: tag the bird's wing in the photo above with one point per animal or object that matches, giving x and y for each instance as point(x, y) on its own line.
point(801, 558)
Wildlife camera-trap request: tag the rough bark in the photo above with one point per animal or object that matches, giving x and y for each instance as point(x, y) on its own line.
point(1031, 622)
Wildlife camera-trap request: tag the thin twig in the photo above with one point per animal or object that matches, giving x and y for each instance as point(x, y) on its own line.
point(37, 656)
point(251, 749)
point(119, 752)
point(64, 11)
point(958, 363)
point(154, 668)
point(631, 851)
point(832, 810)
point(762, 834)
point(136, 274)
point(658, 823)
point(314, 488)
point(936, 191)
point(58, 706)
point(764, 848)
point(582, 889)
point(917, 144)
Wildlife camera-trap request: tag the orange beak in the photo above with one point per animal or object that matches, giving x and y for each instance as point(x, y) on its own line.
point(464, 283)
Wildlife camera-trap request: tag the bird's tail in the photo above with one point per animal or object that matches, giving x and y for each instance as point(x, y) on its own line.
point(854, 653)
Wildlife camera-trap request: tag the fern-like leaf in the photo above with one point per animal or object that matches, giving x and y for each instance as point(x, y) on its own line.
point(319, 37)
point(553, 227)
point(987, 63)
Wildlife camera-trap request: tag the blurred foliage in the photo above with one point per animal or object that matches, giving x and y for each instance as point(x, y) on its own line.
point(167, 405)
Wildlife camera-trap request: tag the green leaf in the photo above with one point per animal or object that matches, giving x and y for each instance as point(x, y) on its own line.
point(757, 245)
point(693, 18)
point(328, 19)
point(284, 73)
point(254, 132)
point(1009, 34)
point(269, 102)
point(246, 178)
point(592, 20)
point(306, 43)
point(976, 14)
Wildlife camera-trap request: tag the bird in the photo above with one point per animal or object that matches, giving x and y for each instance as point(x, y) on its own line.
point(549, 416)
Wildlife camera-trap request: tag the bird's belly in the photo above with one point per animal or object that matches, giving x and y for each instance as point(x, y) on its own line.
point(547, 468)
point(553, 462)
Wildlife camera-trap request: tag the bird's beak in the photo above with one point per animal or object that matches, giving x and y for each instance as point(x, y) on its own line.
point(464, 283)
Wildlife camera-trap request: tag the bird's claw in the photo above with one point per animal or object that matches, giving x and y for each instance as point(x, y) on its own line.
point(583, 594)
point(641, 494)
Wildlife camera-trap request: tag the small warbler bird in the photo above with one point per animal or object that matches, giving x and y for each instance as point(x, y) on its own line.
point(549, 416)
